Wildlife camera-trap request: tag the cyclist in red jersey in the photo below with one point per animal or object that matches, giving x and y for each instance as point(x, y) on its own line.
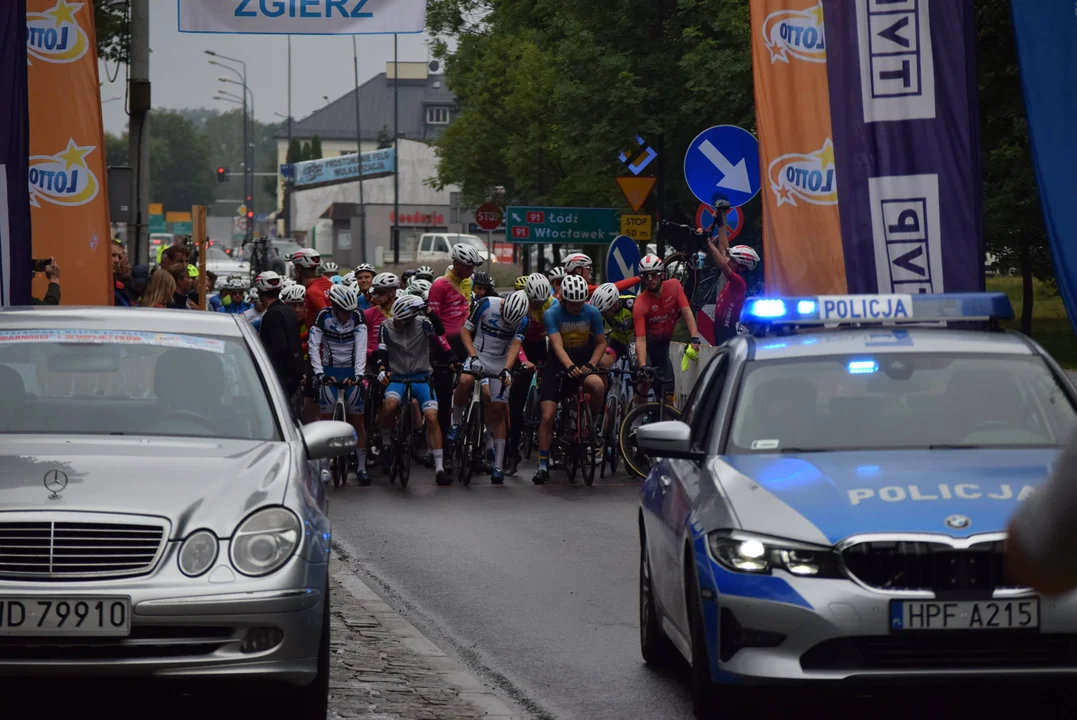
point(655, 316)
point(734, 263)
point(383, 290)
point(306, 268)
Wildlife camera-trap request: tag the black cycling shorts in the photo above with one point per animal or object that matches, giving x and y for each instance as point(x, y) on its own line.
point(309, 391)
point(555, 387)
point(658, 357)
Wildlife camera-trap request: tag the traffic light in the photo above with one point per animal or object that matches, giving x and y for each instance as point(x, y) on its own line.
point(250, 214)
point(222, 175)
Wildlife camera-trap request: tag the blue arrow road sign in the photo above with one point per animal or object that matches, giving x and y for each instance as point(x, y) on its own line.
point(723, 161)
point(623, 259)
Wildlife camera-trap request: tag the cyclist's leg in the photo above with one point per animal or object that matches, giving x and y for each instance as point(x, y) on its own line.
point(497, 410)
point(355, 401)
point(596, 388)
point(443, 385)
point(549, 395)
point(461, 397)
point(488, 438)
point(665, 369)
point(310, 398)
point(424, 395)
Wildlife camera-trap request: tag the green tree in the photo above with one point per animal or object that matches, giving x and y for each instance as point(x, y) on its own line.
point(180, 170)
point(304, 154)
point(116, 150)
point(385, 138)
point(316, 148)
point(295, 152)
point(110, 22)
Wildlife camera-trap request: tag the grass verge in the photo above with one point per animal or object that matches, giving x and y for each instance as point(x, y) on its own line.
point(1051, 326)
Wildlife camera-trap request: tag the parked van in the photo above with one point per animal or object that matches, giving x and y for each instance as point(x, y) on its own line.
point(434, 247)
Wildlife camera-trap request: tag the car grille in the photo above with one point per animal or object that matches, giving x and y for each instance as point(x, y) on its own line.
point(931, 566)
point(145, 642)
point(60, 550)
point(948, 650)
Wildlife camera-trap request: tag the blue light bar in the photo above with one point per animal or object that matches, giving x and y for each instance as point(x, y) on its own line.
point(862, 367)
point(877, 309)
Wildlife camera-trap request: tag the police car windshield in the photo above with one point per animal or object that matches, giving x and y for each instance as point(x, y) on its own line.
point(887, 402)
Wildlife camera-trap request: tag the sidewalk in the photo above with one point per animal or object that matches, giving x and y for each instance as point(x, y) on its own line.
point(384, 669)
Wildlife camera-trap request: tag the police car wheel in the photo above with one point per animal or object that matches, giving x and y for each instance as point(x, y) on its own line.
point(704, 697)
point(655, 647)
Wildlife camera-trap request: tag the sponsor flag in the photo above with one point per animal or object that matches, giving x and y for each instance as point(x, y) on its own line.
point(15, 264)
point(66, 173)
point(291, 17)
point(1047, 50)
point(906, 143)
point(801, 230)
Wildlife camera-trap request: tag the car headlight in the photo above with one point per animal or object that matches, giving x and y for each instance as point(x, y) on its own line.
point(265, 540)
point(198, 553)
point(760, 556)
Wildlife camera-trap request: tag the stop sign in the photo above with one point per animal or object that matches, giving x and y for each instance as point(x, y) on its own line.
point(489, 216)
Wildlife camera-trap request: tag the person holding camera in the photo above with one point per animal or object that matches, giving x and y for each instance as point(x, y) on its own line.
point(52, 272)
point(718, 321)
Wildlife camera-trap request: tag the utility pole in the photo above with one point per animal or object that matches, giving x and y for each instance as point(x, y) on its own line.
point(396, 153)
point(138, 148)
point(287, 195)
point(660, 189)
point(359, 155)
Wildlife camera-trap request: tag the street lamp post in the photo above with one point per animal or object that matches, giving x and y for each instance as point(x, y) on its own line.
point(248, 92)
point(359, 155)
point(248, 160)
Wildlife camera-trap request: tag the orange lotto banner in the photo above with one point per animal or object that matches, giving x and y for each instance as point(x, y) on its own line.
point(68, 196)
point(801, 233)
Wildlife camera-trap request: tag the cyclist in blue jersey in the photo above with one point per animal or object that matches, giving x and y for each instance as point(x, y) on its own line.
point(577, 343)
point(363, 276)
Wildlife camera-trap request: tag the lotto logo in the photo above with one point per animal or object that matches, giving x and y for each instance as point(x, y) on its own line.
point(906, 233)
point(897, 70)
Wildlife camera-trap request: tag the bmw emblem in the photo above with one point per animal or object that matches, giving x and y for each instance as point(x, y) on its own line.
point(958, 522)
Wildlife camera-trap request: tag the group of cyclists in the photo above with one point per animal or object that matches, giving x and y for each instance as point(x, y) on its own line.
point(371, 335)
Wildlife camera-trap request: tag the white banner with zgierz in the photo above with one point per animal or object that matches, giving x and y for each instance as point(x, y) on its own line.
point(302, 17)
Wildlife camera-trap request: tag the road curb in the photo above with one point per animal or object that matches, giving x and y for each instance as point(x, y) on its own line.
point(469, 687)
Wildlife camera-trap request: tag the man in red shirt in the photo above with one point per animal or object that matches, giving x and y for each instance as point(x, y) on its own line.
point(718, 322)
point(306, 265)
point(655, 315)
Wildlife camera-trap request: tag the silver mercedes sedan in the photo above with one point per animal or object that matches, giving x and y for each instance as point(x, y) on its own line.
point(161, 514)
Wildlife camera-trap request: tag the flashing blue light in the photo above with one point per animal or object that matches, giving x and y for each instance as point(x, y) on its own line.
point(867, 470)
point(772, 346)
point(767, 308)
point(862, 367)
point(806, 307)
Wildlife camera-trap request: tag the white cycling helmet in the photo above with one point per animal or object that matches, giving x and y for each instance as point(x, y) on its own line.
point(406, 307)
point(651, 263)
point(514, 307)
point(606, 297)
point(745, 256)
point(294, 294)
point(366, 267)
point(574, 289)
point(235, 282)
point(268, 281)
point(556, 273)
point(385, 281)
point(349, 280)
point(232, 277)
point(252, 295)
point(425, 272)
point(538, 288)
point(575, 261)
point(419, 288)
point(330, 267)
point(306, 258)
point(344, 298)
point(466, 255)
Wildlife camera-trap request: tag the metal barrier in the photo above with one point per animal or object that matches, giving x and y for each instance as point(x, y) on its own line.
point(685, 380)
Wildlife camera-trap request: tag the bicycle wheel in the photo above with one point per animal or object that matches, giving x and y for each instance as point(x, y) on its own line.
point(402, 456)
point(613, 439)
point(585, 448)
point(532, 418)
point(610, 426)
point(637, 462)
point(340, 463)
point(569, 446)
point(473, 444)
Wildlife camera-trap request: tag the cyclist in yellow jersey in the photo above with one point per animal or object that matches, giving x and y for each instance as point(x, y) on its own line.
point(616, 312)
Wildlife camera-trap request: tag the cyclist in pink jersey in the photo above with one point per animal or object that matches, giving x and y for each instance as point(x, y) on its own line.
point(382, 295)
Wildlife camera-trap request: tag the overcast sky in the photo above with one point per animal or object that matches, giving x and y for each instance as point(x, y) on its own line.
point(181, 75)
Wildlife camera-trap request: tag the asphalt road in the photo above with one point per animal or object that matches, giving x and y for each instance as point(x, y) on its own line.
point(535, 590)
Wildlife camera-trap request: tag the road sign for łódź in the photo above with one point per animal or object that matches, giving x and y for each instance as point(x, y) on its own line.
point(584, 226)
point(723, 161)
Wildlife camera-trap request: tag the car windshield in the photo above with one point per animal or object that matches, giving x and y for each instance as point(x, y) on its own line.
point(901, 401)
point(90, 382)
point(472, 241)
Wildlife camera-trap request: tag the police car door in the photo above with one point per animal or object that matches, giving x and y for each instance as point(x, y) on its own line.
point(682, 491)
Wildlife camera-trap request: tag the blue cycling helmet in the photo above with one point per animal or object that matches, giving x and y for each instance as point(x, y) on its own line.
point(336, 279)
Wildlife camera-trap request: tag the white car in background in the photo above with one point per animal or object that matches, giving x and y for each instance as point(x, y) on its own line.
point(435, 247)
point(222, 265)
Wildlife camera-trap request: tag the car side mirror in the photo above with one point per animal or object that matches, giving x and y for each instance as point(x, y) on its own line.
point(669, 439)
point(328, 438)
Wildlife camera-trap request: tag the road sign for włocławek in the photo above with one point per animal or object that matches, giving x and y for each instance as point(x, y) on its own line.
point(584, 226)
point(723, 161)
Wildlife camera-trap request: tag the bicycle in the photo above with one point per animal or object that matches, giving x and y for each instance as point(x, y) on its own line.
point(469, 446)
point(638, 463)
point(574, 430)
point(404, 432)
point(375, 392)
point(532, 415)
point(340, 414)
point(617, 399)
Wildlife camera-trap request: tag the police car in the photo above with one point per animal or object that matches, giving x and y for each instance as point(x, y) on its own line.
point(833, 503)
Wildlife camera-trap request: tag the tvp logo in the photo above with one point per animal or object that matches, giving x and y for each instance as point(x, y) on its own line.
point(897, 67)
point(643, 156)
point(906, 232)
